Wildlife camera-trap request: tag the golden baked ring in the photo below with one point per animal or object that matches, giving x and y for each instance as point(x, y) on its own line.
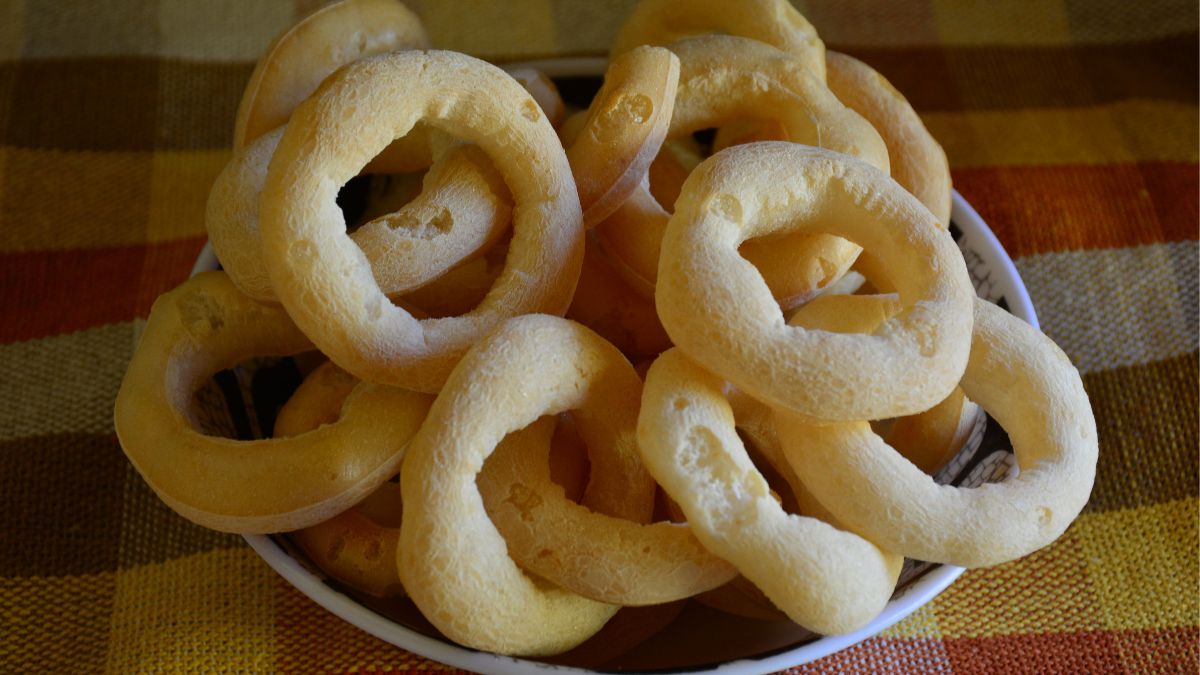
point(716, 308)
point(928, 439)
point(824, 579)
point(461, 289)
point(1030, 387)
point(625, 127)
point(775, 22)
point(631, 239)
point(622, 561)
point(453, 560)
point(931, 439)
point(755, 422)
point(317, 401)
point(322, 277)
point(463, 208)
point(329, 38)
point(917, 160)
point(793, 277)
point(724, 79)
point(269, 485)
point(357, 547)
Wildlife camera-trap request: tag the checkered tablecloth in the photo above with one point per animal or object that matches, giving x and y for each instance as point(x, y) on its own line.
point(1071, 126)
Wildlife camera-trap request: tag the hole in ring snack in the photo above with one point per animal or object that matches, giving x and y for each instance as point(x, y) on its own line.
point(928, 439)
point(453, 560)
point(359, 546)
point(620, 560)
point(718, 311)
point(323, 279)
point(268, 485)
point(1026, 382)
point(462, 209)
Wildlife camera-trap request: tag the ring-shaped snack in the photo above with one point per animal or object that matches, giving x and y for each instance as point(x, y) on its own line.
point(775, 22)
point(357, 546)
point(572, 127)
point(454, 562)
point(931, 439)
point(317, 401)
point(320, 43)
point(724, 79)
point(462, 209)
point(716, 308)
point(320, 274)
point(824, 579)
point(622, 561)
point(268, 485)
point(625, 127)
point(755, 424)
point(631, 239)
point(918, 161)
point(1030, 387)
point(793, 277)
point(928, 439)
point(357, 549)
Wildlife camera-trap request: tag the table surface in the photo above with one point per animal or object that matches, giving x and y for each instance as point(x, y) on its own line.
point(1070, 126)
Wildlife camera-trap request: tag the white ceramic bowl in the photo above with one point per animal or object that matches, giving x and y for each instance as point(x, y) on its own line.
point(775, 648)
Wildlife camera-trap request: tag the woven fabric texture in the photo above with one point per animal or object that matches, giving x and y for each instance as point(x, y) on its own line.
point(1070, 126)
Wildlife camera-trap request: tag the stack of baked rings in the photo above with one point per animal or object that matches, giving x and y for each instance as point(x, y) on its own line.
point(787, 289)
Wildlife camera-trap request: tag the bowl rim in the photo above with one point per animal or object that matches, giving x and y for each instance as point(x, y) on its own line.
point(1007, 284)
